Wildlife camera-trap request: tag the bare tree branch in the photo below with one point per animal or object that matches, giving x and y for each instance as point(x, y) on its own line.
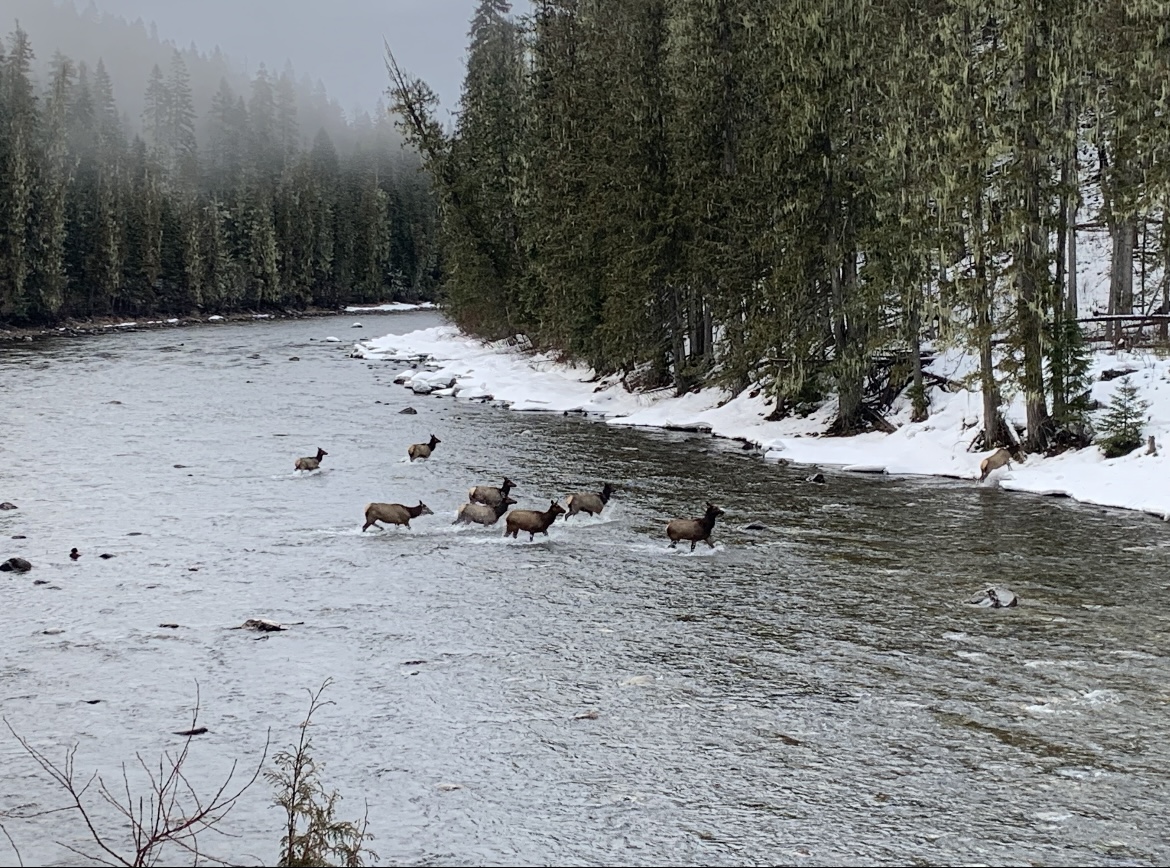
point(171, 813)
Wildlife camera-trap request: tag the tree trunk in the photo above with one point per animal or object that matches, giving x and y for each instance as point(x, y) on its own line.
point(921, 407)
point(1070, 296)
point(1033, 267)
point(678, 346)
point(992, 425)
point(848, 340)
point(1122, 233)
point(1163, 325)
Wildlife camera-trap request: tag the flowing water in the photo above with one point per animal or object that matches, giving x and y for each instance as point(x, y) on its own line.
point(814, 693)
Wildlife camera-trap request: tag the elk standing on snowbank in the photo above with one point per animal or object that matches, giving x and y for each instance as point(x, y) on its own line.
point(489, 495)
point(532, 521)
point(423, 450)
point(394, 513)
point(694, 529)
point(997, 459)
point(588, 501)
point(481, 513)
point(311, 463)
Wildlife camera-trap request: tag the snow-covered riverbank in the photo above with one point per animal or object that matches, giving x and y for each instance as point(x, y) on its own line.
point(462, 367)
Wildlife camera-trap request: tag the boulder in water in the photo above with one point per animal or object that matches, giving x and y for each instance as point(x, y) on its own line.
point(7, 505)
point(15, 565)
point(994, 598)
point(261, 625)
point(408, 411)
point(817, 478)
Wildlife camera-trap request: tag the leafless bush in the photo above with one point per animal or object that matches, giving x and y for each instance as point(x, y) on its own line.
point(172, 815)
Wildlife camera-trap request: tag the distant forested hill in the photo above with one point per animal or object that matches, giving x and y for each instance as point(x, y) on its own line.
point(131, 49)
point(192, 191)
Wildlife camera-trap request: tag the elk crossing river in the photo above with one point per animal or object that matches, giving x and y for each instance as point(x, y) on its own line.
point(817, 692)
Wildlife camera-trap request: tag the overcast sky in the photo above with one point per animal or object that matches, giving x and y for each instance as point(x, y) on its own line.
point(338, 41)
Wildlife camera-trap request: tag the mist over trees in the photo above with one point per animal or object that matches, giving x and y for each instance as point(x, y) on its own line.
point(130, 49)
point(259, 212)
point(796, 197)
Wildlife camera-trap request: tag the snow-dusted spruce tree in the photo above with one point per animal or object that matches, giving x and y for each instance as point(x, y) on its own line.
point(1124, 423)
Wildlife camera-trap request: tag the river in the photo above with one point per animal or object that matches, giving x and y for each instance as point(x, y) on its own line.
point(815, 693)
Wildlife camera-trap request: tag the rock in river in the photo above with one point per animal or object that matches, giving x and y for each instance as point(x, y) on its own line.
point(15, 565)
point(994, 598)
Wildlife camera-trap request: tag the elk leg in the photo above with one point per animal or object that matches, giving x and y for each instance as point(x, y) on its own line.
point(709, 543)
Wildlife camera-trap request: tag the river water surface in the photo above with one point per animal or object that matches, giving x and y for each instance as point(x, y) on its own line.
point(816, 693)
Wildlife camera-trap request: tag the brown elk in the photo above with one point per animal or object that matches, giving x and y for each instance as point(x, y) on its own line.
point(694, 529)
point(490, 495)
point(423, 450)
point(311, 463)
point(997, 459)
point(394, 513)
point(532, 521)
point(481, 513)
point(588, 501)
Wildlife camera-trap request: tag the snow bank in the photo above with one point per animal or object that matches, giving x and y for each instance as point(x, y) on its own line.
point(391, 307)
point(450, 363)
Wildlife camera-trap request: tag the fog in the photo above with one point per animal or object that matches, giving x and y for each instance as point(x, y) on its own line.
point(337, 41)
point(335, 47)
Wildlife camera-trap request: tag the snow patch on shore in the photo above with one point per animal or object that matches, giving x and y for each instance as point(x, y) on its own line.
point(451, 363)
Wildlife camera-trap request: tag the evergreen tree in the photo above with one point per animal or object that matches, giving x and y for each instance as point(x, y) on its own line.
point(156, 117)
point(180, 125)
point(19, 131)
point(50, 277)
point(1123, 426)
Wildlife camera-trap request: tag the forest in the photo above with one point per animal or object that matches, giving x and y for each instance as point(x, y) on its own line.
point(805, 197)
point(218, 208)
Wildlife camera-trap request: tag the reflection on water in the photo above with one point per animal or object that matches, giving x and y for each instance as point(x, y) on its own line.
point(812, 693)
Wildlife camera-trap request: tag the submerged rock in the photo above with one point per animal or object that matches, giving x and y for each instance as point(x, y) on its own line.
point(817, 478)
point(755, 525)
point(15, 565)
point(994, 598)
point(260, 625)
point(408, 411)
point(7, 505)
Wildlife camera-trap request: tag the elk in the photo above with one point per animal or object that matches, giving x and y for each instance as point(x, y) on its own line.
point(694, 529)
point(311, 463)
point(532, 521)
point(394, 513)
point(423, 450)
point(997, 459)
point(481, 513)
point(588, 501)
point(489, 495)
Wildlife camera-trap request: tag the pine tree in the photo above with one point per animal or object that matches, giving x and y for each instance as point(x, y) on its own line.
point(264, 136)
point(1122, 428)
point(287, 130)
point(156, 118)
point(50, 276)
point(19, 132)
point(180, 125)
